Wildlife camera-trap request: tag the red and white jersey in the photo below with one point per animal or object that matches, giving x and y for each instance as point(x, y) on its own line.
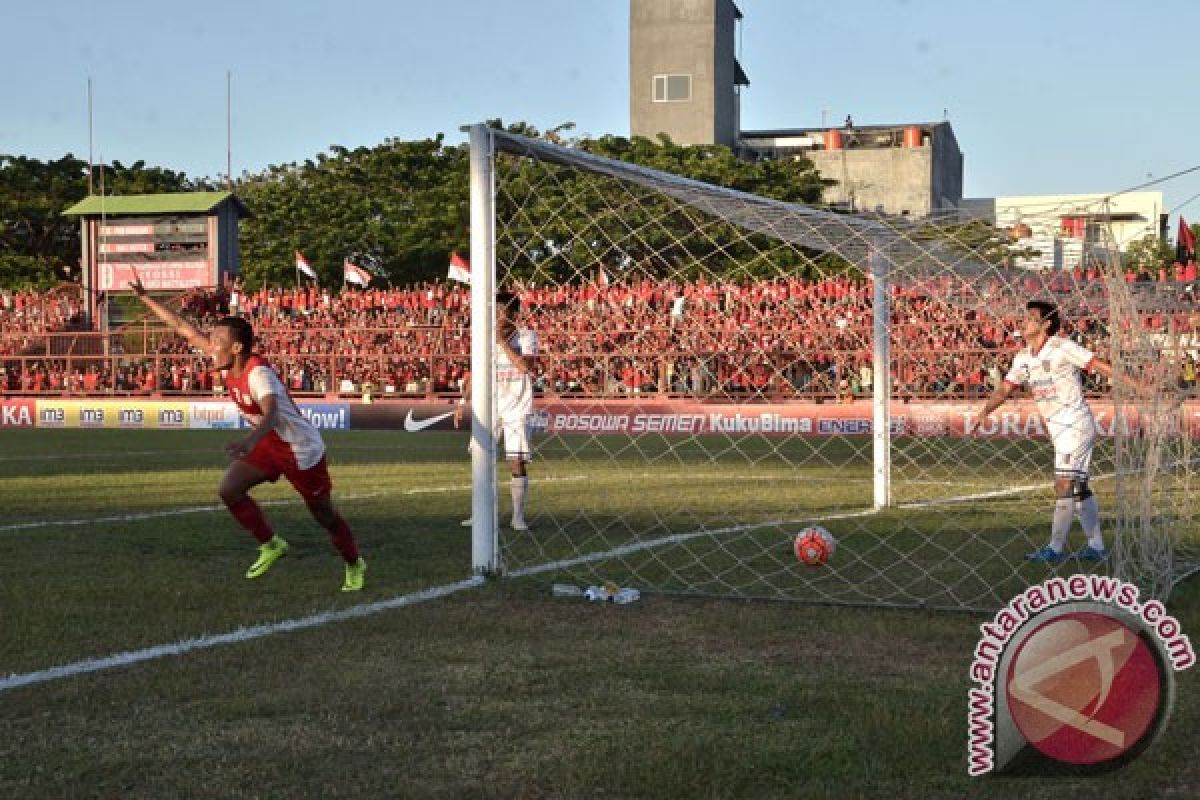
point(1052, 375)
point(514, 388)
point(256, 382)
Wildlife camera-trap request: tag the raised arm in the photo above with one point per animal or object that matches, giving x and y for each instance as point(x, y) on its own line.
point(1002, 393)
point(196, 337)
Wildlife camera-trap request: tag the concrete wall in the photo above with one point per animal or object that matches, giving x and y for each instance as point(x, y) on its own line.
point(946, 186)
point(896, 178)
point(683, 37)
point(725, 98)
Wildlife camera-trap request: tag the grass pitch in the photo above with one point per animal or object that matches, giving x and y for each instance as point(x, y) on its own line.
point(114, 541)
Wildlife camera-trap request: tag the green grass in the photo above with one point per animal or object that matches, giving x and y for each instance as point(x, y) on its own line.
point(501, 691)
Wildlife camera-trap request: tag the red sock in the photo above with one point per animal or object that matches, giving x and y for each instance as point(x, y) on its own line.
point(250, 517)
point(343, 540)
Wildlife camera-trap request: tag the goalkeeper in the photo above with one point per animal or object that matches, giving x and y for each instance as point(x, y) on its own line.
point(1050, 366)
point(516, 351)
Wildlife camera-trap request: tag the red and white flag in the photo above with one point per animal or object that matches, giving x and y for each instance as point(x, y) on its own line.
point(1185, 243)
point(460, 270)
point(302, 266)
point(352, 273)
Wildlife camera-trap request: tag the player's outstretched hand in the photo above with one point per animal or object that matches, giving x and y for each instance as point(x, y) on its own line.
point(136, 285)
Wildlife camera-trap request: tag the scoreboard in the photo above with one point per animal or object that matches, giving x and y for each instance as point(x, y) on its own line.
point(169, 252)
point(175, 241)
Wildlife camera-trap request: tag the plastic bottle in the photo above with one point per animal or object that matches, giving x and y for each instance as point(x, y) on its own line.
point(566, 590)
point(626, 596)
point(597, 594)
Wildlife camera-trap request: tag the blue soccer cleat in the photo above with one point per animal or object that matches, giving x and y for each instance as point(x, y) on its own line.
point(1047, 555)
point(1090, 553)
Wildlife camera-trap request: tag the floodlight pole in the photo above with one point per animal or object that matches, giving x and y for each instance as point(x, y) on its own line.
point(881, 382)
point(484, 550)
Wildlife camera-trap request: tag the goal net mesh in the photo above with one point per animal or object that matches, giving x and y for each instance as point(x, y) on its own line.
point(707, 384)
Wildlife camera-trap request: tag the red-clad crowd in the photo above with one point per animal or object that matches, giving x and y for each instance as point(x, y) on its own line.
point(27, 316)
point(783, 338)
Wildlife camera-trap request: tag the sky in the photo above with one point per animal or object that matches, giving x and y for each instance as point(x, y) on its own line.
point(1046, 96)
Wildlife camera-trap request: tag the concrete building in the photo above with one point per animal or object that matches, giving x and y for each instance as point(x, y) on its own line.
point(912, 169)
point(685, 81)
point(684, 78)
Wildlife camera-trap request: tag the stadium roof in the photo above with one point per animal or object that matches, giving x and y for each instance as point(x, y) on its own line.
point(174, 203)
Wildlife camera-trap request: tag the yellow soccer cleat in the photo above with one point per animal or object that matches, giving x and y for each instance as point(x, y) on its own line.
point(356, 574)
point(268, 554)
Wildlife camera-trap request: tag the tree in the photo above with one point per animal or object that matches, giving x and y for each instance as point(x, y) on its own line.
point(36, 241)
point(1148, 255)
point(403, 204)
point(38, 245)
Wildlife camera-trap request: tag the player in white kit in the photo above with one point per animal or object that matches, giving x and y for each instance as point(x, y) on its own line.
point(1050, 366)
point(516, 350)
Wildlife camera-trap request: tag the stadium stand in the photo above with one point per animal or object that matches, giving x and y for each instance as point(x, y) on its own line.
point(777, 339)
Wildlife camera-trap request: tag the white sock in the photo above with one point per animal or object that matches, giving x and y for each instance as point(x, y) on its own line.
point(1089, 517)
point(1064, 515)
point(520, 487)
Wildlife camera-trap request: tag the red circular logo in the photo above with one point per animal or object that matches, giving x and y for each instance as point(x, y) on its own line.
point(1083, 688)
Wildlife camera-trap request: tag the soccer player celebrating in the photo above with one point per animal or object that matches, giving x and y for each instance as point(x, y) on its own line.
point(1050, 366)
point(515, 354)
point(281, 441)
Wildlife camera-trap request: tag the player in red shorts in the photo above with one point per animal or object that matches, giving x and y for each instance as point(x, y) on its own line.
point(281, 441)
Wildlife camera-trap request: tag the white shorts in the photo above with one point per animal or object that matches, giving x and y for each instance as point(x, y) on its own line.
point(515, 432)
point(1073, 454)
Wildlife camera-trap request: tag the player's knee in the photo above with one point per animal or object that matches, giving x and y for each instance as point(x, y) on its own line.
point(321, 507)
point(230, 494)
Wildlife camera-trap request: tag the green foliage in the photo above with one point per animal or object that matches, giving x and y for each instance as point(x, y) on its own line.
point(1149, 254)
point(401, 206)
point(38, 245)
point(406, 206)
point(567, 212)
point(35, 239)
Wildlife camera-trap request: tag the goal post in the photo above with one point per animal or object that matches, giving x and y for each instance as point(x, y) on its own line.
point(484, 532)
point(718, 371)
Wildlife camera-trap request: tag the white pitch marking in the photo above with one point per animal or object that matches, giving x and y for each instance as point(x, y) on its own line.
point(186, 646)
point(317, 620)
point(177, 512)
point(677, 538)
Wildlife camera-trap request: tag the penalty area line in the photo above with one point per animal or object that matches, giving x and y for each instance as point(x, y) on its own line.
point(238, 636)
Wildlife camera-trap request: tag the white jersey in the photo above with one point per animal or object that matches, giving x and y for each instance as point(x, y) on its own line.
point(514, 388)
point(1053, 377)
point(256, 382)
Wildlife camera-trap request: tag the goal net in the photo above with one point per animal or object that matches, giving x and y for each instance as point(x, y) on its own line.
point(718, 371)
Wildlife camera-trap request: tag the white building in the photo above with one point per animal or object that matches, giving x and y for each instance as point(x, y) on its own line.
point(1064, 230)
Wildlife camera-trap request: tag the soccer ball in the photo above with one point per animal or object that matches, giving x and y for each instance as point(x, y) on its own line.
point(815, 546)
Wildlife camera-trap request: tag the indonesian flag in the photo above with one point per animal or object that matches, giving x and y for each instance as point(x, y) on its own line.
point(302, 266)
point(1185, 243)
point(460, 270)
point(355, 274)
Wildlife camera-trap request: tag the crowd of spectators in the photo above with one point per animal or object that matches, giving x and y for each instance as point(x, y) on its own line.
point(26, 316)
point(789, 337)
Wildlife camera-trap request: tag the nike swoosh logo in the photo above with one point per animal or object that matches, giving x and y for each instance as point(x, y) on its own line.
point(413, 425)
